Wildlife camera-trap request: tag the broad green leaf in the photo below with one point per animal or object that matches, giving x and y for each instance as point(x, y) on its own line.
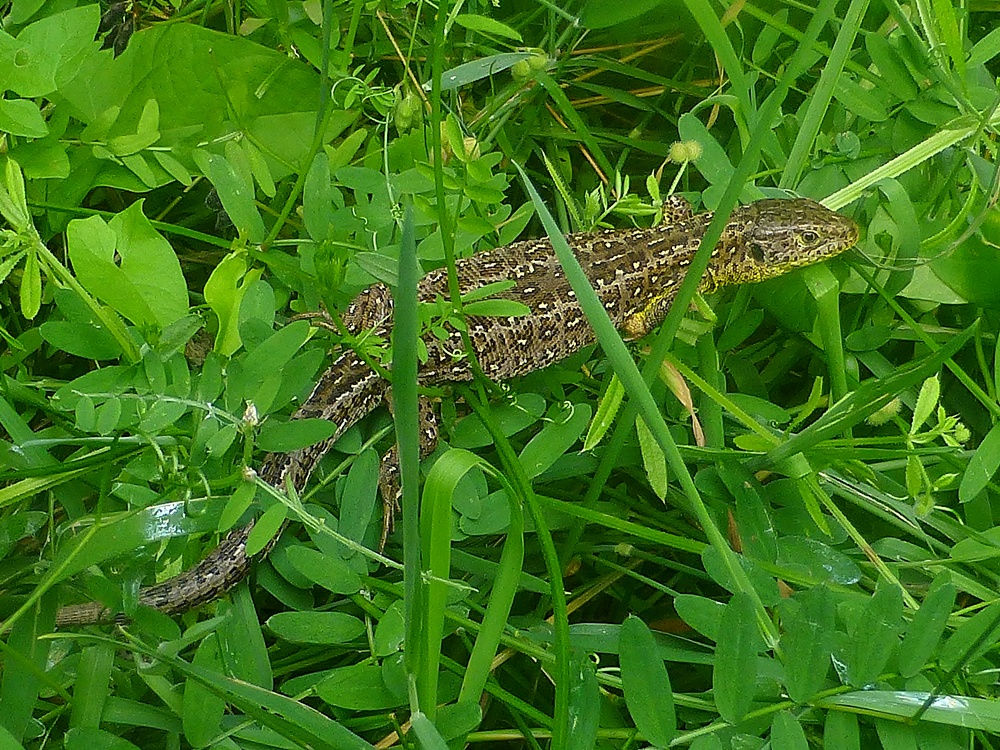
point(266, 361)
point(875, 634)
point(46, 51)
point(809, 619)
point(646, 684)
point(894, 75)
point(238, 504)
point(786, 733)
point(21, 117)
point(328, 571)
point(283, 437)
point(259, 168)
point(701, 613)
point(162, 415)
point(236, 195)
point(734, 678)
point(123, 534)
point(22, 680)
point(358, 501)
point(241, 638)
point(359, 688)
point(757, 533)
point(146, 284)
point(866, 103)
point(840, 731)
point(427, 735)
point(981, 467)
point(224, 293)
point(555, 439)
point(317, 199)
point(927, 626)
point(972, 639)
point(985, 49)
point(322, 628)
point(9, 741)
point(267, 527)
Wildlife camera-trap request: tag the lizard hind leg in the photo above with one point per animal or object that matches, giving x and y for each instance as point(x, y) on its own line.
point(389, 477)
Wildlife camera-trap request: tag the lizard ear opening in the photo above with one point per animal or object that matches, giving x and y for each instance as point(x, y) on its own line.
point(757, 252)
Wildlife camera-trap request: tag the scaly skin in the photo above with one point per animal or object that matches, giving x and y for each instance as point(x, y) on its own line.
point(635, 272)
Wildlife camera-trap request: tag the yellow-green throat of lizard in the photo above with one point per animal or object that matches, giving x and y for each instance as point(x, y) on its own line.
point(636, 273)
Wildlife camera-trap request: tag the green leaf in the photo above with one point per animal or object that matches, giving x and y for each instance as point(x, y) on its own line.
point(427, 735)
point(927, 626)
point(283, 437)
point(875, 634)
point(476, 70)
point(653, 460)
point(236, 195)
point(31, 287)
point(267, 527)
point(584, 703)
point(949, 710)
point(607, 409)
point(809, 618)
point(45, 52)
point(202, 709)
point(927, 401)
point(787, 733)
point(734, 678)
point(317, 199)
point(555, 439)
point(89, 738)
point(497, 308)
point(21, 117)
point(224, 294)
point(648, 694)
point(358, 688)
point(840, 731)
point(297, 721)
point(972, 638)
point(326, 570)
point(487, 25)
point(863, 102)
point(981, 467)
point(321, 628)
point(146, 285)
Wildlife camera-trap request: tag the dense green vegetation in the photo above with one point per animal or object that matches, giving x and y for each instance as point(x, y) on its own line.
point(795, 544)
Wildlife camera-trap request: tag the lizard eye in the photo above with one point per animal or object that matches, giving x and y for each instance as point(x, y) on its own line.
point(757, 252)
point(809, 237)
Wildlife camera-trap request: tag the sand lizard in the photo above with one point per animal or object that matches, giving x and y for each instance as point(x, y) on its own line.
point(635, 272)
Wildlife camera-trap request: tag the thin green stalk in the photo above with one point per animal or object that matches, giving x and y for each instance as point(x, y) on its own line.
point(405, 414)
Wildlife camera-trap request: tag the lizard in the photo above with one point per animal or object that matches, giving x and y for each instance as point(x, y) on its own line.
point(635, 272)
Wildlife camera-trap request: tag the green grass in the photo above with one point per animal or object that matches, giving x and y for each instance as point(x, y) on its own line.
point(820, 570)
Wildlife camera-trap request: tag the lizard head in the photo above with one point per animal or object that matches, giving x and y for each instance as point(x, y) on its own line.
point(771, 237)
